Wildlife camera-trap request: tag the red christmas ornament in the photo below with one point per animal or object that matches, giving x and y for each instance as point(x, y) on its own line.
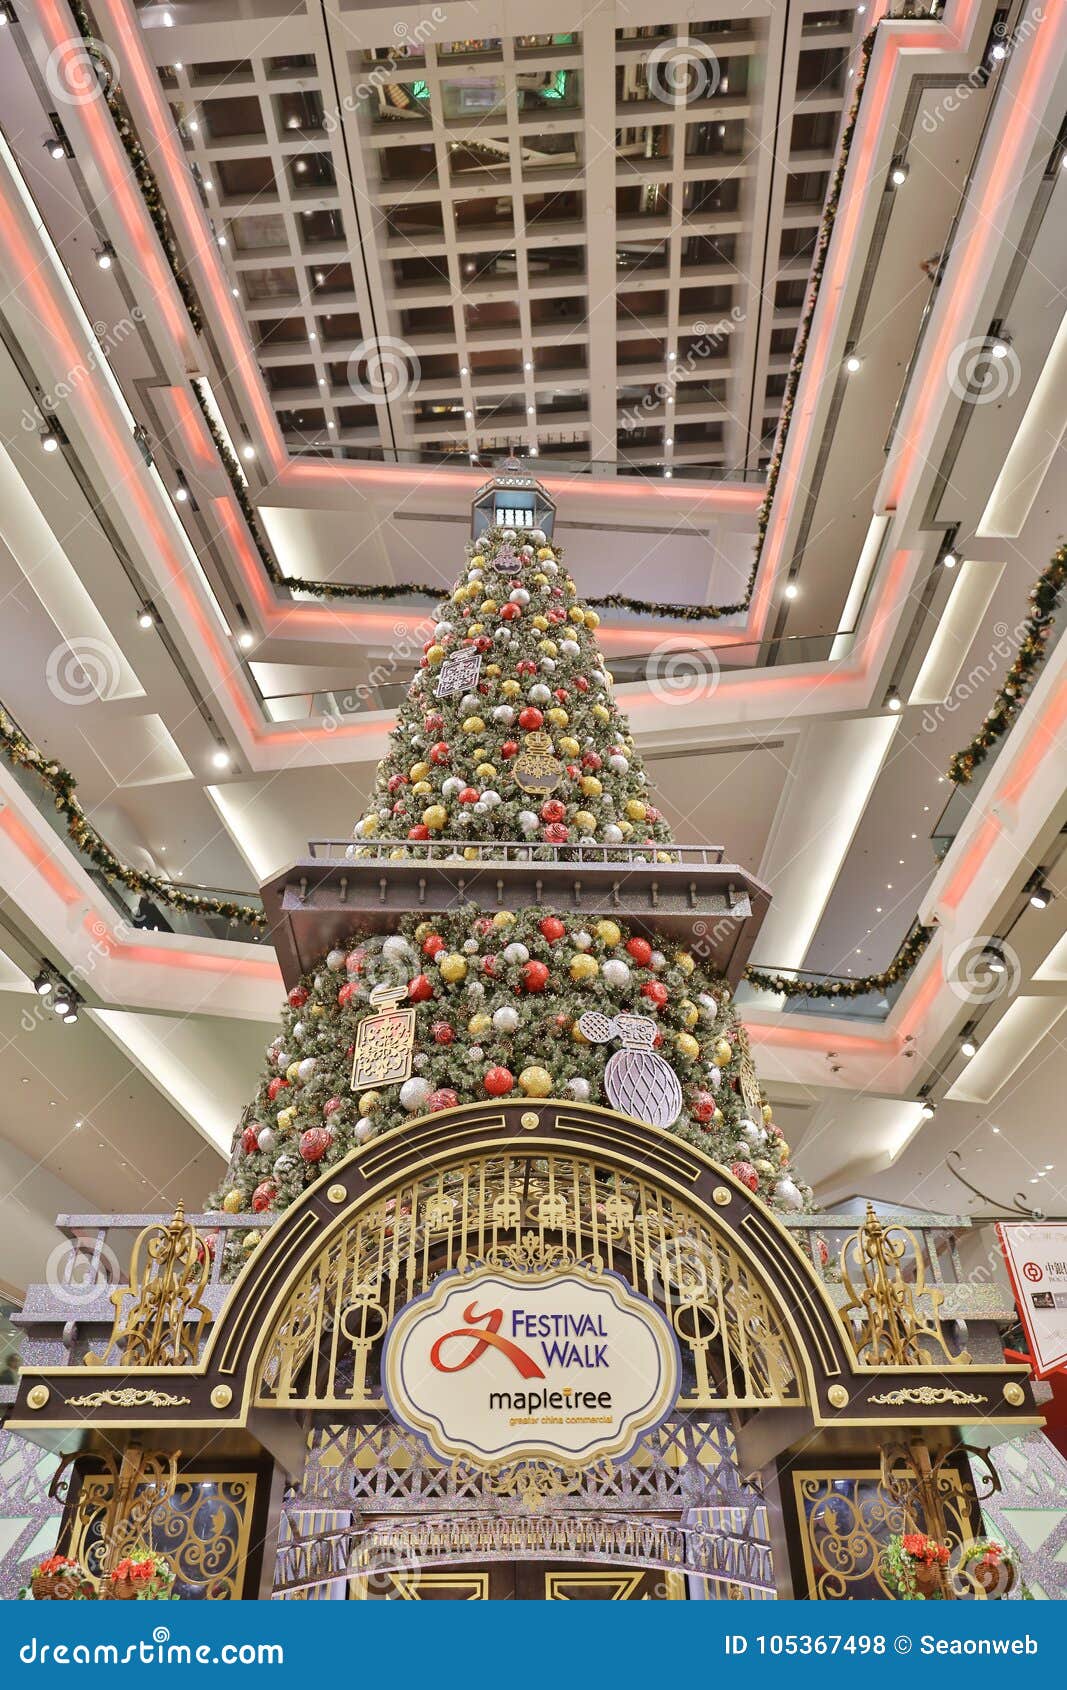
point(556, 833)
point(443, 1033)
point(263, 1196)
point(704, 1106)
point(396, 782)
point(250, 1140)
point(482, 643)
point(656, 992)
point(746, 1173)
point(469, 795)
point(314, 1143)
point(525, 666)
point(530, 719)
point(497, 1081)
point(562, 694)
point(419, 989)
point(298, 997)
point(276, 1085)
point(641, 951)
point(581, 683)
point(432, 944)
point(592, 760)
point(510, 612)
point(434, 722)
point(552, 928)
point(489, 966)
point(534, 976)
point(347, 993)
point(443, 1098)
point(509, 748)
point(484, 925)
point(441, 752)
point(419, 831)
point(331, 1106)
point(355, 959)
point(552, 810)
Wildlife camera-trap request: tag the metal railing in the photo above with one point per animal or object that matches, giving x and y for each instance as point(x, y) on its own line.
point(589, 852)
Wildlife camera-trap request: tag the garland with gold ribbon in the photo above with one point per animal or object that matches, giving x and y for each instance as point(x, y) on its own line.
point(21, 753)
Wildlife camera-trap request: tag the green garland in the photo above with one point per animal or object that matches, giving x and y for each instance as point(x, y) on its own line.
point(142, 170)
point(1033, 649)
point(21, 753)
point(903, 963)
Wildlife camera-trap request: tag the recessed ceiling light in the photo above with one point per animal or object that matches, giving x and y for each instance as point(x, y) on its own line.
point(899, 174)
point(105, 257)
point(248, 452)
point(791, 590)
point(894, 701)
point(220, 758)
point(949, 560)
point(968, 1046)
point(853, 363)
point(146, 617)
point(246, 639)
point(49, 441)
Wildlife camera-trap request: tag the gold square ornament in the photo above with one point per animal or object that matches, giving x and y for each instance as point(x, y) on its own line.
point(385, 1043)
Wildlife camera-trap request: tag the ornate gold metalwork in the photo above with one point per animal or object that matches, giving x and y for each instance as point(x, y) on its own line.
point(927, 1396)
point(846, 1518)
point(116, 1507)
point(515, 1206)
point(203, 1524)
point(536, 768)
point(534, 1483)
point(385, 1043)
point(894, 1331)
point(165, 1323)
point(127, 1396)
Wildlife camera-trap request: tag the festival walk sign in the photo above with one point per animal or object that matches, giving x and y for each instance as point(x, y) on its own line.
point(496, 1365)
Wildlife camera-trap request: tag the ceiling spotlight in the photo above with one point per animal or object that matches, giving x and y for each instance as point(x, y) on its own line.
point(246, 639)
point(181, 494)
point(49, 440)
point(72, 1014)
point(248, 452)
point(949, 560)
point(993, 957)
point(1040, 895)
point(57, 146)
point(898, 174)
point(669, 474)
point(968, 1045)
point(104, 255)
point(893, 700)
point(928, 1108)
point(221, 758)
point(998, 50)
point(146, 617)
point(853, 363)
point(1000, 345)
point(533, 451)
point(61, 1003)
point(790, 590)
point(43, 984)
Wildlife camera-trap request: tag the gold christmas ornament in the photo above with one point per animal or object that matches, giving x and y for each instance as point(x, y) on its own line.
point(536, 769)
point(584, 966)
point(608, 932)
point(385, 1043)
point(536, 1081)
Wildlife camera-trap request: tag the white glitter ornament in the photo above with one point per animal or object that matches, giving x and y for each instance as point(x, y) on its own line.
point(538, 536)
point(615, 973)
point(788, 1194)
point(469, 703)
point(505, 1019)
point(516, 953)
point(397, 949)
point(442, 630)
point(539, 693)
point(452, 787)
point(335, 959)
point(519, 595)
point(267, 1140)
point(305, 1070)
point(364, 1129)
point(578, 1089)
point(618, 764)
point(504, 713)
point(528, 821)
point(658, 959)
point(470, 946)
point(413, 1093)
point(570, 648)
point(582, 940)
point(612, 834)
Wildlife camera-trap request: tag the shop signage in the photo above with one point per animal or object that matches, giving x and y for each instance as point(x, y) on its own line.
point(494, 1365)
point(1036, 1254)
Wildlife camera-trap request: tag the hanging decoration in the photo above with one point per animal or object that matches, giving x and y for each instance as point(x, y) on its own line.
point(1033, 649)
point(385, 1043)
point(903, 963)
point(536, 769)
point(638, 1082)
point(21, 753)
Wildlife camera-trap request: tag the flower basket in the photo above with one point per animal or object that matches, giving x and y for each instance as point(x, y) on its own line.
point(914, 1565)
point(139, 1577)
point(60, 1579)
point(990, 1567)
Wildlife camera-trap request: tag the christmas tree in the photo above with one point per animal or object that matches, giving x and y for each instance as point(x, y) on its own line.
point(509, 733)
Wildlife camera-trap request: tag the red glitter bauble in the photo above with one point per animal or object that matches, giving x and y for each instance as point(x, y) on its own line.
point(552, 928)
point(556, 834)
point(656, 992)
point(347, 993)
point(314, 1143)
point(534, 976)
point(419, 989)
point(250, 1140)
point(276, 1085)
point(298, 997)
point(443, 1098)
point(552, 810)
point(263, 1196)
point(419, 831)
point(497, 1081)
point(746, 1173)
point(443, 1032)
point(530, 719)
point(433, 944)
point(641, 951)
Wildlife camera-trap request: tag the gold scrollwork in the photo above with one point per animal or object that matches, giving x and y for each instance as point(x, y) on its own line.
point(893, 1330)
point(164, 1324)
point(127, 1396)
point(927, 1396)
